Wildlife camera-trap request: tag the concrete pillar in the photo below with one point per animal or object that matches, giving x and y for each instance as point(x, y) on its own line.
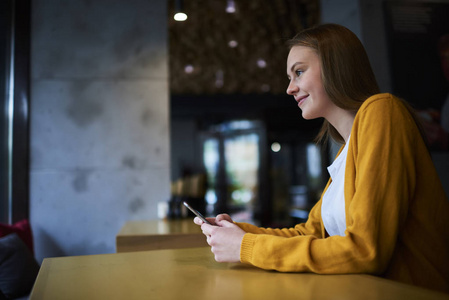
point(99, 121)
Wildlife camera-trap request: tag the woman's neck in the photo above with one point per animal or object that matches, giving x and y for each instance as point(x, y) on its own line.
point(342, 120)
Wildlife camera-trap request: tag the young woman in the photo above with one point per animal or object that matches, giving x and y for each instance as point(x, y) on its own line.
point(384, 211)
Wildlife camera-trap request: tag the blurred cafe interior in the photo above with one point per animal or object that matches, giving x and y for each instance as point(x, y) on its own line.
point(116, 112)
point(231, 120)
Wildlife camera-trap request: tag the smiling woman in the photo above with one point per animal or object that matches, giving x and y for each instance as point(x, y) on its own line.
point(306, 85)
point(346, 73)
point(384, 211)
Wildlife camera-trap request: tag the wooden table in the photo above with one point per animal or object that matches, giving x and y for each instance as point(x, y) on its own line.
point(159, 234)
point(192, 273)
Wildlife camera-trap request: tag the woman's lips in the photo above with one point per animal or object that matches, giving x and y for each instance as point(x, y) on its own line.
point(301, 100)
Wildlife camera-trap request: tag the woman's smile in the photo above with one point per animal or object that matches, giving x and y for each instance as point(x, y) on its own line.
point(301, 100)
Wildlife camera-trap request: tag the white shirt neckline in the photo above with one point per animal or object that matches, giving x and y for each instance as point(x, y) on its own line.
point(333, 206)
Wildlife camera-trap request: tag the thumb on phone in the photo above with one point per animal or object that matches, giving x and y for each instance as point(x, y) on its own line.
point(225, 223)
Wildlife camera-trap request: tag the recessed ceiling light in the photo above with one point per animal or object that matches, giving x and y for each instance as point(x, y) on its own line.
point(261, 63)
point(230, 7)
point(233, 44)
point(189, 69)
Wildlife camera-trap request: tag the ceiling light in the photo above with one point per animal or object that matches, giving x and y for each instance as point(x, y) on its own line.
point(189, 69)
point(179, 14)
point(275, 147)
point(261, 63)
point(230, 7)
point(233, 44)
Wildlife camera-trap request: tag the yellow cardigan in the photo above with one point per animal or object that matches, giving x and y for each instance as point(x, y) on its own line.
point(397, 214)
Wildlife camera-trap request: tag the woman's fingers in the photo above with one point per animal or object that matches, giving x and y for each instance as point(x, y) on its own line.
point(200, 222)
point(207, 229)
point(225, 241)
point(222, 217)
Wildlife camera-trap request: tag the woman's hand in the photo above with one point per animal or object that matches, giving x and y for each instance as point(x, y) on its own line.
point(225, 239)
point(215, 220)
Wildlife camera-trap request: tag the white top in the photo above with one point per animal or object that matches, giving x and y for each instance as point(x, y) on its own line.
point(333, 206)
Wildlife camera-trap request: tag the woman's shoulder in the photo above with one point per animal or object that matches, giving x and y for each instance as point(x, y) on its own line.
point(380, 99)
point(385, 110)
point(384, 103)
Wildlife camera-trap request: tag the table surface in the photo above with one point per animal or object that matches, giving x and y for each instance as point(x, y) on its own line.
point(159, 227)
point(159, 234)
point(192, 273)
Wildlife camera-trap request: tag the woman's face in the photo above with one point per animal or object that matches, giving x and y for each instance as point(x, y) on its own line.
point(306, 86)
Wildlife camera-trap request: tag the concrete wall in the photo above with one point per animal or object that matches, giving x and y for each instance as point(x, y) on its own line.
point(99, 121)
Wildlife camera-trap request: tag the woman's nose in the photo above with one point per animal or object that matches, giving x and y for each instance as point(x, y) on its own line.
point(292, 88)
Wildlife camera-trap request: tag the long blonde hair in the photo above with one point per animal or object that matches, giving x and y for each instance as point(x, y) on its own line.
point(345, 69)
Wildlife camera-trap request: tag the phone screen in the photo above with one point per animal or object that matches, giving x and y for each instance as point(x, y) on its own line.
point(197, 213)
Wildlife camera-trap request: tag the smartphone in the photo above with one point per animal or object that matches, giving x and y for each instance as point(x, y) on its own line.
point(197, 213)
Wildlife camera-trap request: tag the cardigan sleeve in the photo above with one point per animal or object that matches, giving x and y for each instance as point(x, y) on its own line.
point(313, 226)
point(379, 180)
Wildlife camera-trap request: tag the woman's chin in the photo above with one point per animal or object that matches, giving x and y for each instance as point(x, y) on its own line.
point(306, 116)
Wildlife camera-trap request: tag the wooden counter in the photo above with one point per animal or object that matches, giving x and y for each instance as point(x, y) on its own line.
point(159, 234)
point(193, 274)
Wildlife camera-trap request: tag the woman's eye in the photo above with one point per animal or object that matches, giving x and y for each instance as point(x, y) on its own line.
point(298, 72)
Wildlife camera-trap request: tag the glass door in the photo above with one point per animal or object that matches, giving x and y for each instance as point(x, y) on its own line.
point(231, 157)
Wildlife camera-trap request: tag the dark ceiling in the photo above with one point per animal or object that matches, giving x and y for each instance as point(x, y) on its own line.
point(227, 66)
point(216, 52)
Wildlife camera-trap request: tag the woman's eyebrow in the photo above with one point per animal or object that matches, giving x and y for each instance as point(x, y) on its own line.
point(292, 68)
point(295, 64)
